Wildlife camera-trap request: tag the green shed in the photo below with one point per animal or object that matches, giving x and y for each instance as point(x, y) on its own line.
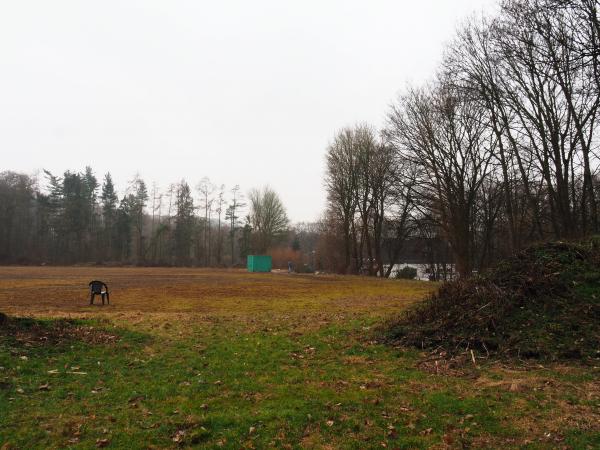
point(259, 263)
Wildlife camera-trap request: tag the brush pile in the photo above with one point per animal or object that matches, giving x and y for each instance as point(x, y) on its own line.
point(543, 303)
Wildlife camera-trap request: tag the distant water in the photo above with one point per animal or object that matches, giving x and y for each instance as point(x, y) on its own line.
point(423, 272)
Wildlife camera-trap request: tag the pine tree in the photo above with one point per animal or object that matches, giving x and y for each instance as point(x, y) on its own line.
point(54, 208)
point(123, 228)
point(184, 223)
point(89, 203)
point(109, 214)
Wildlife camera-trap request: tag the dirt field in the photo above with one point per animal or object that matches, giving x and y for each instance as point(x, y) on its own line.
point(227, 359)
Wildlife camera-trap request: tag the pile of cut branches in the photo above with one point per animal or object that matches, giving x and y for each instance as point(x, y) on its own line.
point(542, 303)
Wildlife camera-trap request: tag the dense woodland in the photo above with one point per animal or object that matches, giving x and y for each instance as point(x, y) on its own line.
point(77, 219)
point(498, 150)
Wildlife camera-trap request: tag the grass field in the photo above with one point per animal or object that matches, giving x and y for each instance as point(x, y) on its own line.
point(226, 359)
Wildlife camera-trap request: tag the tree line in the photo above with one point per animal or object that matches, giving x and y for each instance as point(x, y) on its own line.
point(78, 219)
point(498, 150)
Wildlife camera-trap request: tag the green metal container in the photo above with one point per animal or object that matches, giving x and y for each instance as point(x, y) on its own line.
point(259, 263)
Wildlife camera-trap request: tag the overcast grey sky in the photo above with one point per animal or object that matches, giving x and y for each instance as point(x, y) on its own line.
point(245, 92)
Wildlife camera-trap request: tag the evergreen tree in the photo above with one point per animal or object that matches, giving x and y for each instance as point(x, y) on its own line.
point(54, 207)
point(89, 203)
point(296, 244)
point(123, 228)
point(16, 217)
point(75, 216)
point(246, 239)
point(184, 223)
point(109, 214)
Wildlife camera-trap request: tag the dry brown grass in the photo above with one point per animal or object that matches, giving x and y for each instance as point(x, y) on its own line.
point(63, 291)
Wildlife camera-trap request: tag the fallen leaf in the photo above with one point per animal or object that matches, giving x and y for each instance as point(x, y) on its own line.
point(102, 443)
point(179, 436)
point(448, 439)
point(44, 387)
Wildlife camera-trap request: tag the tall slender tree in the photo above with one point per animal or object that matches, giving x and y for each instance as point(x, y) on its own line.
point(109, 200)
point(184, 223)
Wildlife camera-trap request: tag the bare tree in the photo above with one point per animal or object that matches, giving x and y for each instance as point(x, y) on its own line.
point(232, 215)
point(156, 221)
point(366, 148)
point(267, 216)
point(472, 65)
point(340, 182)
point(441, 132)
point(542, 86)
point(206, 190)
point(220, 202)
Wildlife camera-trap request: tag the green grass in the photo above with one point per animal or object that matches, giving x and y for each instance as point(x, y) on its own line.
point(219, 386)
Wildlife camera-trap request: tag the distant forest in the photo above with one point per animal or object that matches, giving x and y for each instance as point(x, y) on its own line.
point(77, 219)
